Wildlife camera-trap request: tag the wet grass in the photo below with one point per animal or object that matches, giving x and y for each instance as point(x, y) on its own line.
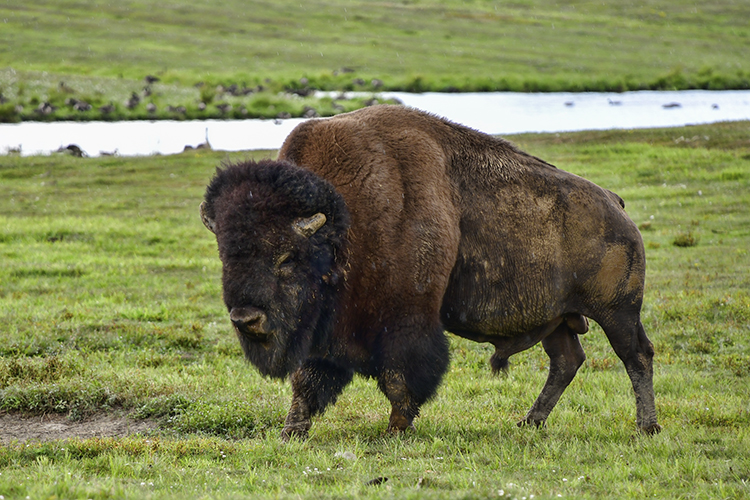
point(98, 53)
point(110, 301)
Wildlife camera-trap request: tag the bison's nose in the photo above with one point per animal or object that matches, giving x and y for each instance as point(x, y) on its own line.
point(250, 321)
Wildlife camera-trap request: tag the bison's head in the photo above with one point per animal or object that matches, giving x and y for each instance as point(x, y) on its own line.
point(281, 232)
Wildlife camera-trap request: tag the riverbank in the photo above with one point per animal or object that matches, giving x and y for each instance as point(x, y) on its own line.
point(493, 113)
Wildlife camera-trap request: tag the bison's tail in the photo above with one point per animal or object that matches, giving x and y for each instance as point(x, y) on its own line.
point(498, 363)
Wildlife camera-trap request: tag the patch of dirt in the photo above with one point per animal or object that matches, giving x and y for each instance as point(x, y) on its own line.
point(53, 427)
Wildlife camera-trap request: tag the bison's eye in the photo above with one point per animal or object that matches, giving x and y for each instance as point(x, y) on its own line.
point(283, 258)
point(284, 263)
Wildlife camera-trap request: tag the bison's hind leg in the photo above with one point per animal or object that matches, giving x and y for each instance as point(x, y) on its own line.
point(632, 346)
point(565, 357)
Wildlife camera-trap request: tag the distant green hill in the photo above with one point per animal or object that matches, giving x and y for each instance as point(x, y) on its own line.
point(413, 45)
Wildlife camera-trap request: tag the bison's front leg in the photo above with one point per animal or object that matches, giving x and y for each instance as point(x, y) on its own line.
point(315, 385)
point(565, 357)
point(411, 373)
point(404, 408)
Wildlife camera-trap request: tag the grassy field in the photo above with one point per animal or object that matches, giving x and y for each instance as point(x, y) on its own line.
point(98, 52)
point(110, 303)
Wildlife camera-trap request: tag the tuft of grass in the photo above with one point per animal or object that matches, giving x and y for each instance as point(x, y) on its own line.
point(685, 240)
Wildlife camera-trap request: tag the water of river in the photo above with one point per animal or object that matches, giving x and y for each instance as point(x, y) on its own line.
point(494, 113)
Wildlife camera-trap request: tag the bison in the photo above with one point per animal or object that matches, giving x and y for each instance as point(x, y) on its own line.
point(378, 230)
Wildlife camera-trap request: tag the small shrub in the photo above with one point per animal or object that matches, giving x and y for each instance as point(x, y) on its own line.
point(9, 113)
point(207, 94)
point(685, 240)
point(702, 346)
point(739, 364)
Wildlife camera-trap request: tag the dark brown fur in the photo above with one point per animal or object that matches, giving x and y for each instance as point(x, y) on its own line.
point(448, 229)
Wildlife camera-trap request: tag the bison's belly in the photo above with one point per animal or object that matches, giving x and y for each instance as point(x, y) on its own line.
point(487, 298)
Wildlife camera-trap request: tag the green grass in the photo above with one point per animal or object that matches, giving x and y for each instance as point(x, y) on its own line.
point(110, 303)
point(103, 50)
point(34, 96)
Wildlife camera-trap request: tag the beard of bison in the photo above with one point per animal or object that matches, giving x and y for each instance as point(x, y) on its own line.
point(281, 233)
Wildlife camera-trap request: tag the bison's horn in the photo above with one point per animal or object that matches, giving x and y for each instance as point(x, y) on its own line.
point(207, 221)
point(307, 226)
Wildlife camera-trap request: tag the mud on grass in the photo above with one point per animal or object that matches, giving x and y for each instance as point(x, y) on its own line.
point(55, 427)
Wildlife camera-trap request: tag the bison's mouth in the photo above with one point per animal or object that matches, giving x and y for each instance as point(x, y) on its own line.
point(254, 337)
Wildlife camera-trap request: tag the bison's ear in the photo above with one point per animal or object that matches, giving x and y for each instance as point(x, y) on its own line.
point(307, 226)
point(207, 221)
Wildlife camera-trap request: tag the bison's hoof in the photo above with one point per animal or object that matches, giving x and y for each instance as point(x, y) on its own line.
point(392, 429)
point(528, 421)
point(651, 429)
point(290, 432)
